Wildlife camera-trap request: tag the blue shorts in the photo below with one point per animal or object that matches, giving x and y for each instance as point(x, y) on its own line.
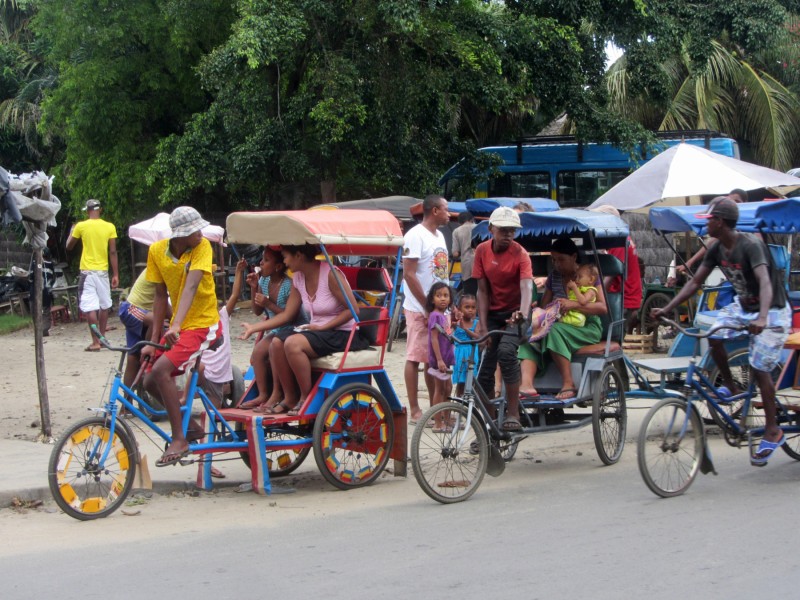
point(133, 318)
point(766, 347)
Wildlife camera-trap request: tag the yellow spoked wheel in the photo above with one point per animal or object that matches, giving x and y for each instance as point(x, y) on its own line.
point(90, 472)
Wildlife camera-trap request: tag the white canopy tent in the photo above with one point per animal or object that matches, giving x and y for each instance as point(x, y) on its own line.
point(684, 173)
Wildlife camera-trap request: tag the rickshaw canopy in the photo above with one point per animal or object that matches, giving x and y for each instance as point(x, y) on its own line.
point(342, 232)
point(540, 228)
point(483, 207)
point(399, 206)
point(778, 216)
point(157, 228)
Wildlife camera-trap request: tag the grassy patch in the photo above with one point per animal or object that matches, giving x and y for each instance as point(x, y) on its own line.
point(11, 323)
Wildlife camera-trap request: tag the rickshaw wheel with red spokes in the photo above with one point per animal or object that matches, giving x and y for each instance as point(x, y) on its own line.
point(353, 435)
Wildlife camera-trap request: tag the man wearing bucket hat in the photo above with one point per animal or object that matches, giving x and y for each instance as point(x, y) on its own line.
point(99, 249)
point(181, 269)
point(505, 289)
point(760, 305)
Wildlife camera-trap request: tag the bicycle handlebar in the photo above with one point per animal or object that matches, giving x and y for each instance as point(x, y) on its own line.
point(135, 348)
point(714, 329)
point(483, 338)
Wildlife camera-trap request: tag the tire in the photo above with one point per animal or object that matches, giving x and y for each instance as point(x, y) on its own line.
point(353, 435)
point(151, 401)
point(237, 388)
point(740, 369)
point(280, 461)
point(609, 415)
point(508, 450)
point(394, 324)
point(79, 486)
point(450, 467)
point(656, 300)
point(668, 462)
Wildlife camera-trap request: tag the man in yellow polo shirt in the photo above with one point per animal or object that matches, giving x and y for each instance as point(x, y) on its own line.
point(99, 239)
point(181, 268)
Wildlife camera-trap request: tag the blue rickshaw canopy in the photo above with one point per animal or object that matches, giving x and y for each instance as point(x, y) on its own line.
point(772, 216)
point(539, 229)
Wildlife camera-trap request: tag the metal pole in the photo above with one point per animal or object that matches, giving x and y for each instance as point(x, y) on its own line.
point(41, 377)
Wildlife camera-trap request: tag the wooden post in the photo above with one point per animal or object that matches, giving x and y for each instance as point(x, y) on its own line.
point(38, 327)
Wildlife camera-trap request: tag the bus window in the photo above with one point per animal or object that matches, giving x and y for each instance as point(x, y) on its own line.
point(581, 188)
point(521, 185)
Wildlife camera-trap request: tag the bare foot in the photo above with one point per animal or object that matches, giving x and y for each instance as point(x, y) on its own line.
point(254, 403)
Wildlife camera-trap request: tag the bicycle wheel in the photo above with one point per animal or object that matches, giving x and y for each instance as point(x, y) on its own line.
point(280, 461)
point(656, 300)
point(609, 415)
point(236, 388)
point(449, 466)
point(80, 485)
point(394, 325)
point(669, 455)
point(353, 435)
point(739, 363)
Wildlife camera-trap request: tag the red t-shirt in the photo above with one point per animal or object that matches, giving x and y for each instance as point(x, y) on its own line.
point(632, 297)
point(502, 272)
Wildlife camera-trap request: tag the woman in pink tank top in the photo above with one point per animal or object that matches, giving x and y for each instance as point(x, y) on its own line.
point(330, 324)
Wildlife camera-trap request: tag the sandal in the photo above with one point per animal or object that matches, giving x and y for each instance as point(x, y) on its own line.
point(512, 424)
point(567, 394)
point(251, 404)
point(171, 458)
point(282, 408)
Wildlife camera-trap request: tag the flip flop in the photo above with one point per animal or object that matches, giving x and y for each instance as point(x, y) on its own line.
point(91, 349)
point(567, 394)
point(171, 458)
point(512, 424)
point(529, 396)
point(765, 446)
point(284, 409)
point(251, 404)
point(216, 473)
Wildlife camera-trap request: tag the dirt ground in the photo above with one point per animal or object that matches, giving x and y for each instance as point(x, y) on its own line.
point(76, 380)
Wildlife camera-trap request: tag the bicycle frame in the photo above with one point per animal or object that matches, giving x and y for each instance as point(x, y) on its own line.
point(123, 395)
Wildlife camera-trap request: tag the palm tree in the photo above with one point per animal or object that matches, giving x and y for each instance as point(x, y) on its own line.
point(21, 113)
point(728, 94)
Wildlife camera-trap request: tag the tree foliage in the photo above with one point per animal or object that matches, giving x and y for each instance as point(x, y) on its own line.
point(272, 103)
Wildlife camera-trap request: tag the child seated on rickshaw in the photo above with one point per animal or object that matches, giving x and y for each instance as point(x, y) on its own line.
point(582, 290)
point(273, 293)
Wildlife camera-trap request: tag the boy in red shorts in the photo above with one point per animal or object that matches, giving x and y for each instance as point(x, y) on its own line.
point(180, 267)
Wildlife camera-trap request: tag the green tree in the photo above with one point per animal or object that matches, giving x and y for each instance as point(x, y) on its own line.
point(23, 79)
point(126, 80)
point(720, 84)
point(380, 96)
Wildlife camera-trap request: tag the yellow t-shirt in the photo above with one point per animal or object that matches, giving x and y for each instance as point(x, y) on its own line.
point(143, 292)
point(94, 234)
point(164, 268)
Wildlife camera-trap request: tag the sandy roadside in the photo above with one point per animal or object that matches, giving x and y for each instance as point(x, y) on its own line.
point(76, 379)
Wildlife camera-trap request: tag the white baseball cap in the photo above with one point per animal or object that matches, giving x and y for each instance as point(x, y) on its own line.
point(505, 217)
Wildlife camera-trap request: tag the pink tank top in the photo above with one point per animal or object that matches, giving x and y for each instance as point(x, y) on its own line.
point(323, 306)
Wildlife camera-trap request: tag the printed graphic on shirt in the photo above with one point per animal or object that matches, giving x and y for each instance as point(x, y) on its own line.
point(439, 264)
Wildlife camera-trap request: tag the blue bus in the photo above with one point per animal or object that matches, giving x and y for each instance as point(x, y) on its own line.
point(572, 173)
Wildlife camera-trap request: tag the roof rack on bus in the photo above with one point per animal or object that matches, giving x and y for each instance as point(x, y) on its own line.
point(539, 140)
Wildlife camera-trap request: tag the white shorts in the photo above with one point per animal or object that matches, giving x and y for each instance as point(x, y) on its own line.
point(94, 291)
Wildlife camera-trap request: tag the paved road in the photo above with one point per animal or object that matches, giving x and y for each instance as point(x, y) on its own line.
point(556, 524)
